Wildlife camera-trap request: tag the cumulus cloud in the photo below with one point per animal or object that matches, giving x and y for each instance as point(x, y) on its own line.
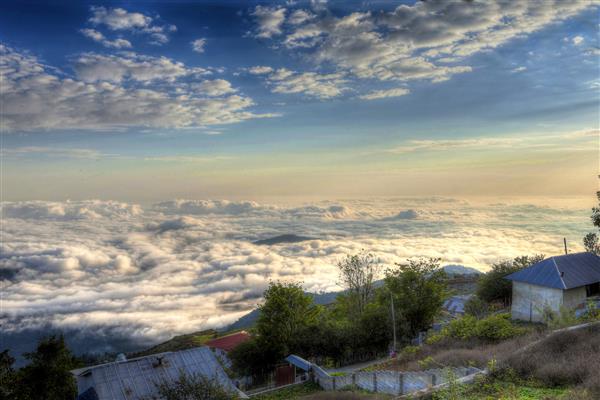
point(119, 19)
point(260, 70)
point(578, 40)
point(111, 91)
point(416, 42)
point(311, 84)
point(96, 36)
point(382, 94)
point(198, 45)
point(183, 265)
point(269, 20)
point(216, 87)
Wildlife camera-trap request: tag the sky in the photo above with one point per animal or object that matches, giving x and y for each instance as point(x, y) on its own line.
point(150, 101)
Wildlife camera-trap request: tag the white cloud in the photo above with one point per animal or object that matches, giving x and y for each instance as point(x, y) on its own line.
point(198, 45)
point(186, 265)
point(260, 70)
point(298, 17)
point(112, 92)
point(96, 36)
point(578, 40)
point(415, 42)
point(119, 19)
point(215, 87)
point(311, 84)
point(519, 69)
point(269, 20)
point(382, 94)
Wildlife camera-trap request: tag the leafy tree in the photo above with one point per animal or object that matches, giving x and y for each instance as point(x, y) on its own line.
point(591, 241)
point(47, 376)
point(7, 376)
point(194, 387)
point(286, 312)
point(419, 289)
point(493, 287)
point(476, 307)
point(357, 273)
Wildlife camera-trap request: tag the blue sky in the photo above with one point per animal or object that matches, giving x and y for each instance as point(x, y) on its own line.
point(326, 99)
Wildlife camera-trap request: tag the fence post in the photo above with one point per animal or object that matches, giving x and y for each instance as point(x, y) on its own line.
point(353, 379)
point(374, 382)
point(333, 382)
point(433, 379)
point(400, 383)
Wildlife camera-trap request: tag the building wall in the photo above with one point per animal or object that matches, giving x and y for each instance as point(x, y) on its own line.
point(528, 301)
point(574, 297)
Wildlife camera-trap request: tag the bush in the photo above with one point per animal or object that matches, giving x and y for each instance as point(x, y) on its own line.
point(493, 328)
point(194, 387)
point(565, 358)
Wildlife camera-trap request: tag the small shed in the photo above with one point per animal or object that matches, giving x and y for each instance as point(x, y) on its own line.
point(137, 378)
point(567, 281)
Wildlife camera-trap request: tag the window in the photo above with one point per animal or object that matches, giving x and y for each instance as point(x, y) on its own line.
point(593, 289)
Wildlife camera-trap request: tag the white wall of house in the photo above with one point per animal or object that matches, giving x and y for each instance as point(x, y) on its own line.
point(528, 301)
point(574, 297)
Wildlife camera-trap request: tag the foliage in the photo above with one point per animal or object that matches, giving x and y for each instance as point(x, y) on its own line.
point(561, 319)
point(493, 328)
point(7, 376)
point(419, 288)
point(357, 273)
point(476, 307)
point(194, 387)
point(493, 287)
point(47, 375)
point(591, 241)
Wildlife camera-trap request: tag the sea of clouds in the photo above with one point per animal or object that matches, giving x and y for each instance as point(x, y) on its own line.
point(117, 276)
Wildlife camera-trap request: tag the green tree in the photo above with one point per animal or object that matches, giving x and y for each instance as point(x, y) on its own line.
point(492, 286)
point(194, 387)
point(357, 273)
point(591, 241)
point(419, 288)
point(47, 376)
point(7, 376)
point(286, 312)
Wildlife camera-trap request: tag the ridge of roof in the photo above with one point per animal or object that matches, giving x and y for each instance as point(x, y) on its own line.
point(559, 273)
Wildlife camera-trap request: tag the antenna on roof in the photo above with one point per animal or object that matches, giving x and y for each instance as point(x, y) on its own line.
point(565, 241)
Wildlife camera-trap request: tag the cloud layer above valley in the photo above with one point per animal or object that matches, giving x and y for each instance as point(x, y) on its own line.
point(185, 265)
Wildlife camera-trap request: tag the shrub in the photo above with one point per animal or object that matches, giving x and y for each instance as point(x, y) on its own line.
point(493, 328)
point(194, 387)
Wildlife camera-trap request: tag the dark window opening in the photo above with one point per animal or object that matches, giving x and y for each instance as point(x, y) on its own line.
point(593, 289)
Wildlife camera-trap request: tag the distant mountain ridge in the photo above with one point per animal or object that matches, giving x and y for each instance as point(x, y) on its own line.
point(286, 238)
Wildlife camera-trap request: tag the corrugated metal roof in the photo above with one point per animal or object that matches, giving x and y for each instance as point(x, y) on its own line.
point(137, 378)
point(298, 362)
point(561, 272)
point(229, 342)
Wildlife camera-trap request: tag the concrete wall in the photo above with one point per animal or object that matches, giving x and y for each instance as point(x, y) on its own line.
point(574, 297)
point(528, 301)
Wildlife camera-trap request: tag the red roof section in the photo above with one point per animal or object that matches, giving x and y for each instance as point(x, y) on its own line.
point(229, 342)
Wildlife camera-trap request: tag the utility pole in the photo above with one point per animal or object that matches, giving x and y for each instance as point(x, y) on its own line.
point(565, 241)
point(393, 320)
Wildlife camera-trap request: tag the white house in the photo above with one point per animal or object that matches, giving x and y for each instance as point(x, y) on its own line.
point(562, 281)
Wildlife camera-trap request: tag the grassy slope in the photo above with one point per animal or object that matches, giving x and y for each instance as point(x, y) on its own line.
point(181, 342)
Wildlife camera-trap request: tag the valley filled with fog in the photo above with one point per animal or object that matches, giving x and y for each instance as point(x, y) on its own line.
point(119, 276)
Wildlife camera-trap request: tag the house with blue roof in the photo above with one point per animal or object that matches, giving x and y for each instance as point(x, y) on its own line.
point(570, 281)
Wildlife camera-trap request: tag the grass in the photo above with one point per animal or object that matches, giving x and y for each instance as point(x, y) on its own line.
point(502, 390)
point(312, 391)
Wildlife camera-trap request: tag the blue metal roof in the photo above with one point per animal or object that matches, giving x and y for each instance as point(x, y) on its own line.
point(561, 272)
point(89, 394)
point(298, 362)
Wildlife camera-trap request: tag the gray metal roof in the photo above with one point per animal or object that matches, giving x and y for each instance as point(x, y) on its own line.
point(298, 362)
point(137, 378)
point(561, 272)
